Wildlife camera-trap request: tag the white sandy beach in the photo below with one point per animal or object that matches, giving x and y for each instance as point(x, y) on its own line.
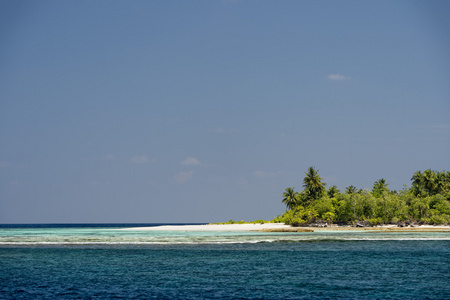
point(215, 227)
point(281, 227)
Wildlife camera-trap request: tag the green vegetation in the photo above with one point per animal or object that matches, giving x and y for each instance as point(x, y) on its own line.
point(426, 202)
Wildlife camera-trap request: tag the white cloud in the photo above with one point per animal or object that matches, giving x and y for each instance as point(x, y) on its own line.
point(337, 77)
point(264, 174)
point(182, 177)
point(190, 161)
point(140, 159)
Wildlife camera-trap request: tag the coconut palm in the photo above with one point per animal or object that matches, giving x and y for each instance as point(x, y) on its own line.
point(290, 198)
point(380, 187)
point(350, 189)
point(443, 182)
point(417, 178)
point(313, 183)
point(332, 191)
point(417, 183)
point(430, 182)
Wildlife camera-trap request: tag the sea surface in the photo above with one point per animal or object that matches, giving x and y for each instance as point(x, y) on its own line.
point(102, 261)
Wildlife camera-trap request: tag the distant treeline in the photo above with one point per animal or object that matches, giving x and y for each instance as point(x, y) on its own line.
point(427, 201)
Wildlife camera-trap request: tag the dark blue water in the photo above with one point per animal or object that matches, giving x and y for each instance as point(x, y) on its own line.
point(299, 269)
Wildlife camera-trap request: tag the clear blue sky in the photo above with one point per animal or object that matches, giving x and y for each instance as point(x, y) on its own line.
point(201, 111)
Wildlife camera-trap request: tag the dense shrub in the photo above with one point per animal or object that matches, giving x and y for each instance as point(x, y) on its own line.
point(426, 202)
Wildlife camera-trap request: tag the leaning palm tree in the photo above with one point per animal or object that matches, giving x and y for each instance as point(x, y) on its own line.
point(290, 198)
point(313, 183)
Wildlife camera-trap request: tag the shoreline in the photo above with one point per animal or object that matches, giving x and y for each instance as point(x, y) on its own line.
point(281, 227)
point(214, 227)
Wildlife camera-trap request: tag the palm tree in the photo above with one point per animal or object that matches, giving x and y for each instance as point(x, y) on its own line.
point(313, 183)
point(417, 183)
point(417, 178)
point(443, 182)
point(290, 198)
point(380, 187)
point(332, 191)
point(429, 179)
point(430, 182)
point(350, 189)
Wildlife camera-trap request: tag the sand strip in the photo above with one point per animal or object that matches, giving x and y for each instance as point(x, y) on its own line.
point(280, 227)
point(214, 227)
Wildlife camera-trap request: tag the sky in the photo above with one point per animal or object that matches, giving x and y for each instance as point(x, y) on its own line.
point(205, 111)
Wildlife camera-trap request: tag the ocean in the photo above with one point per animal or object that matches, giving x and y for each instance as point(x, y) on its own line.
point(100, 261)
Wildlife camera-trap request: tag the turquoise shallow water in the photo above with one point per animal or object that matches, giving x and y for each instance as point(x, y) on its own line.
point(74, 263)
point(115, 236)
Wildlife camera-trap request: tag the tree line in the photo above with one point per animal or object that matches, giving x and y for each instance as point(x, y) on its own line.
point(427, 201)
